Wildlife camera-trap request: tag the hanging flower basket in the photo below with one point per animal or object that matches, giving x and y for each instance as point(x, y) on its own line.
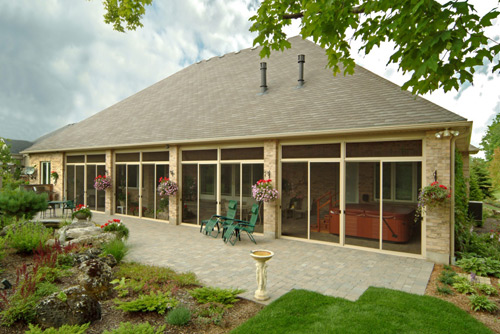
point(167, 187)
point(264, 191)
point(54, 176)
point(102, 182)
point(432, 196)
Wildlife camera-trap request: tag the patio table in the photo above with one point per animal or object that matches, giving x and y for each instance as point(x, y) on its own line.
point(53, 205)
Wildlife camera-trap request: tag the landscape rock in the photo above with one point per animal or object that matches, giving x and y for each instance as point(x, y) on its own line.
point(109, 260)
point(76, 225)
point(74, 306)
point(95, 276)
point(94, 240)
point(92, 253)
point(76, 233)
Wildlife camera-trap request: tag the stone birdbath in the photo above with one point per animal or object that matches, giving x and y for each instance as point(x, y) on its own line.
point(261, 257)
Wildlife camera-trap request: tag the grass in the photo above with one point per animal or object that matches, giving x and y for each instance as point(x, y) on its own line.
point(378, 310)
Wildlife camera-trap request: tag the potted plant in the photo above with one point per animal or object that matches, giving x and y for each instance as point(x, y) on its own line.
point(55, 176)
point(431, 196)
point(117, 227)
point(120, 197)
point(102, 182)
point(263, 191)
point(167, 187)
point(82, 212)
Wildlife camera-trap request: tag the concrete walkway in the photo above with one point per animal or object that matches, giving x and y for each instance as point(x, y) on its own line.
point(330, 270)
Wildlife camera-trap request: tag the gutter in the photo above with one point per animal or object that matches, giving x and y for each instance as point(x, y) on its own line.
point(412, 127)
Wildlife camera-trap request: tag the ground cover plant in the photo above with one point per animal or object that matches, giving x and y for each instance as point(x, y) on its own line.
point(378, 310)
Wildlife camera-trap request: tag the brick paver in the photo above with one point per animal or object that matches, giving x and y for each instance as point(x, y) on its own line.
point(330, 270)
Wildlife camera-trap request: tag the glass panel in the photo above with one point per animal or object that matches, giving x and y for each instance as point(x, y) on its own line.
point(127, 157)
point(199, 155)
point(385, 149)
point(161, 203)
point(208, 196)
point(311, 151)
point(156, 156)
point(362, 214)
point(91, 192)
point(70, 192)
point(294, 185)
point(101, 194)
point(80, 185)
point(45, 172)
point(148, 191)
point(133, 190)
point(401, 232)
point(387, 190)
point(190, 194)
point(251, 174)
point(96, 158)
point(325, 213)
point(230, 187)
point(75, 159)
point(242, 153)
point(121, 188)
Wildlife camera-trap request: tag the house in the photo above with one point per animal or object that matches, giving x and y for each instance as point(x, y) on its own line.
point(347, 153)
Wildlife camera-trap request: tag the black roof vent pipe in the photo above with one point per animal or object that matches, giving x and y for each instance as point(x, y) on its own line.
point(263, 84)
point(302, 60)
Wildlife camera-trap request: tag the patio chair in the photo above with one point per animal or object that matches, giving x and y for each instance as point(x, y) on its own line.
point(233, 232)
point(219, 221)
point(69, 205)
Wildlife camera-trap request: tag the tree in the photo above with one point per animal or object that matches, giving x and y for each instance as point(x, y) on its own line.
point(491, 139)
point(438, 44)
point(475, 194)
point(494, 167)
point(9, 167)
point(479, 170)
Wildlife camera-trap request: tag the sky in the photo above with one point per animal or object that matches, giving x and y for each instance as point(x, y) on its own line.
point(60, 63)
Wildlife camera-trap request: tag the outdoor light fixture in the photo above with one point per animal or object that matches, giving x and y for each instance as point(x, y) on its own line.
point(446, 133)
point(6, 284)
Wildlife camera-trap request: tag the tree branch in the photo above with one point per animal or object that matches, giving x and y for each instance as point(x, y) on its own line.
point(355, 10)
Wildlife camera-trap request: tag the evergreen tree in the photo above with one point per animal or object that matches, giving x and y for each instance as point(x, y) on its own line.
point(479, 168)
point(491, 139)
point(475, 194)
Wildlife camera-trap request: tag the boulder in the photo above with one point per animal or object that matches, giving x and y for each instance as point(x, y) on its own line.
point(109, 260)
point(95, 276)
point(74, 306)
point(76, 225)
point(94, 240)
point(76, 233)
point(92, 253)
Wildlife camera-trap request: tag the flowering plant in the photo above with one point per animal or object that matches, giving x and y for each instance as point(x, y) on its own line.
point(102, 182)
point(432, 196)
point(54, 175)
point(167, 187)
point(83, 209)
point(264, 191)
point(116, 226)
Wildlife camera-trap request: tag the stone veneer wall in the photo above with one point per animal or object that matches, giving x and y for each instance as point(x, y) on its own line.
point(56, 164)
point(109, 205)
point(271, 208)
point(173, 205)
point(438, 220)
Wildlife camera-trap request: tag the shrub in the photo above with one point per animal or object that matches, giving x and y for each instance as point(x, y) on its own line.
point(25, 237)
point(2, 248)
point(154, 276)
point(64, 329)
point(19, 203)
point(128, 328)
point(154, 302)
point(65, 261)
point(464, 287)
point(115, 247)
point(211, 313)
point(216, 295)
point(444, 290)
point(482, 303)
point(44, 289)
point(487, 289)
point(447, 277)
point(179, 316)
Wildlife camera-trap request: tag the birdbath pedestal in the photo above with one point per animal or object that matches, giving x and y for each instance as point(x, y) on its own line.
point(261, 256)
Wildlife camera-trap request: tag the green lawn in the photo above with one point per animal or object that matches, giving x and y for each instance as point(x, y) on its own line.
point(378, 310)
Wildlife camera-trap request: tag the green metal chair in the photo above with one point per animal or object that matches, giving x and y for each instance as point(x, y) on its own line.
point(69, 205)
point(219, 221)
point(233, 232)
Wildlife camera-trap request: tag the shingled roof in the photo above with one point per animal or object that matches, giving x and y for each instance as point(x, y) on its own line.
point(217, 99)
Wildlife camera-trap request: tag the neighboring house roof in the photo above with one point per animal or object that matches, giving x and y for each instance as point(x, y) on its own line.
point(217, 99)
point(17, 146)
point(473, 149)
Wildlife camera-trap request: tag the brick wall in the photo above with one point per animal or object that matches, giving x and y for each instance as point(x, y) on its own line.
point(56, 164)
point(438, 229)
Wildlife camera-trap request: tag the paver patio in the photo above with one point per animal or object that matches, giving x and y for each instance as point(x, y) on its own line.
point(330, 270)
